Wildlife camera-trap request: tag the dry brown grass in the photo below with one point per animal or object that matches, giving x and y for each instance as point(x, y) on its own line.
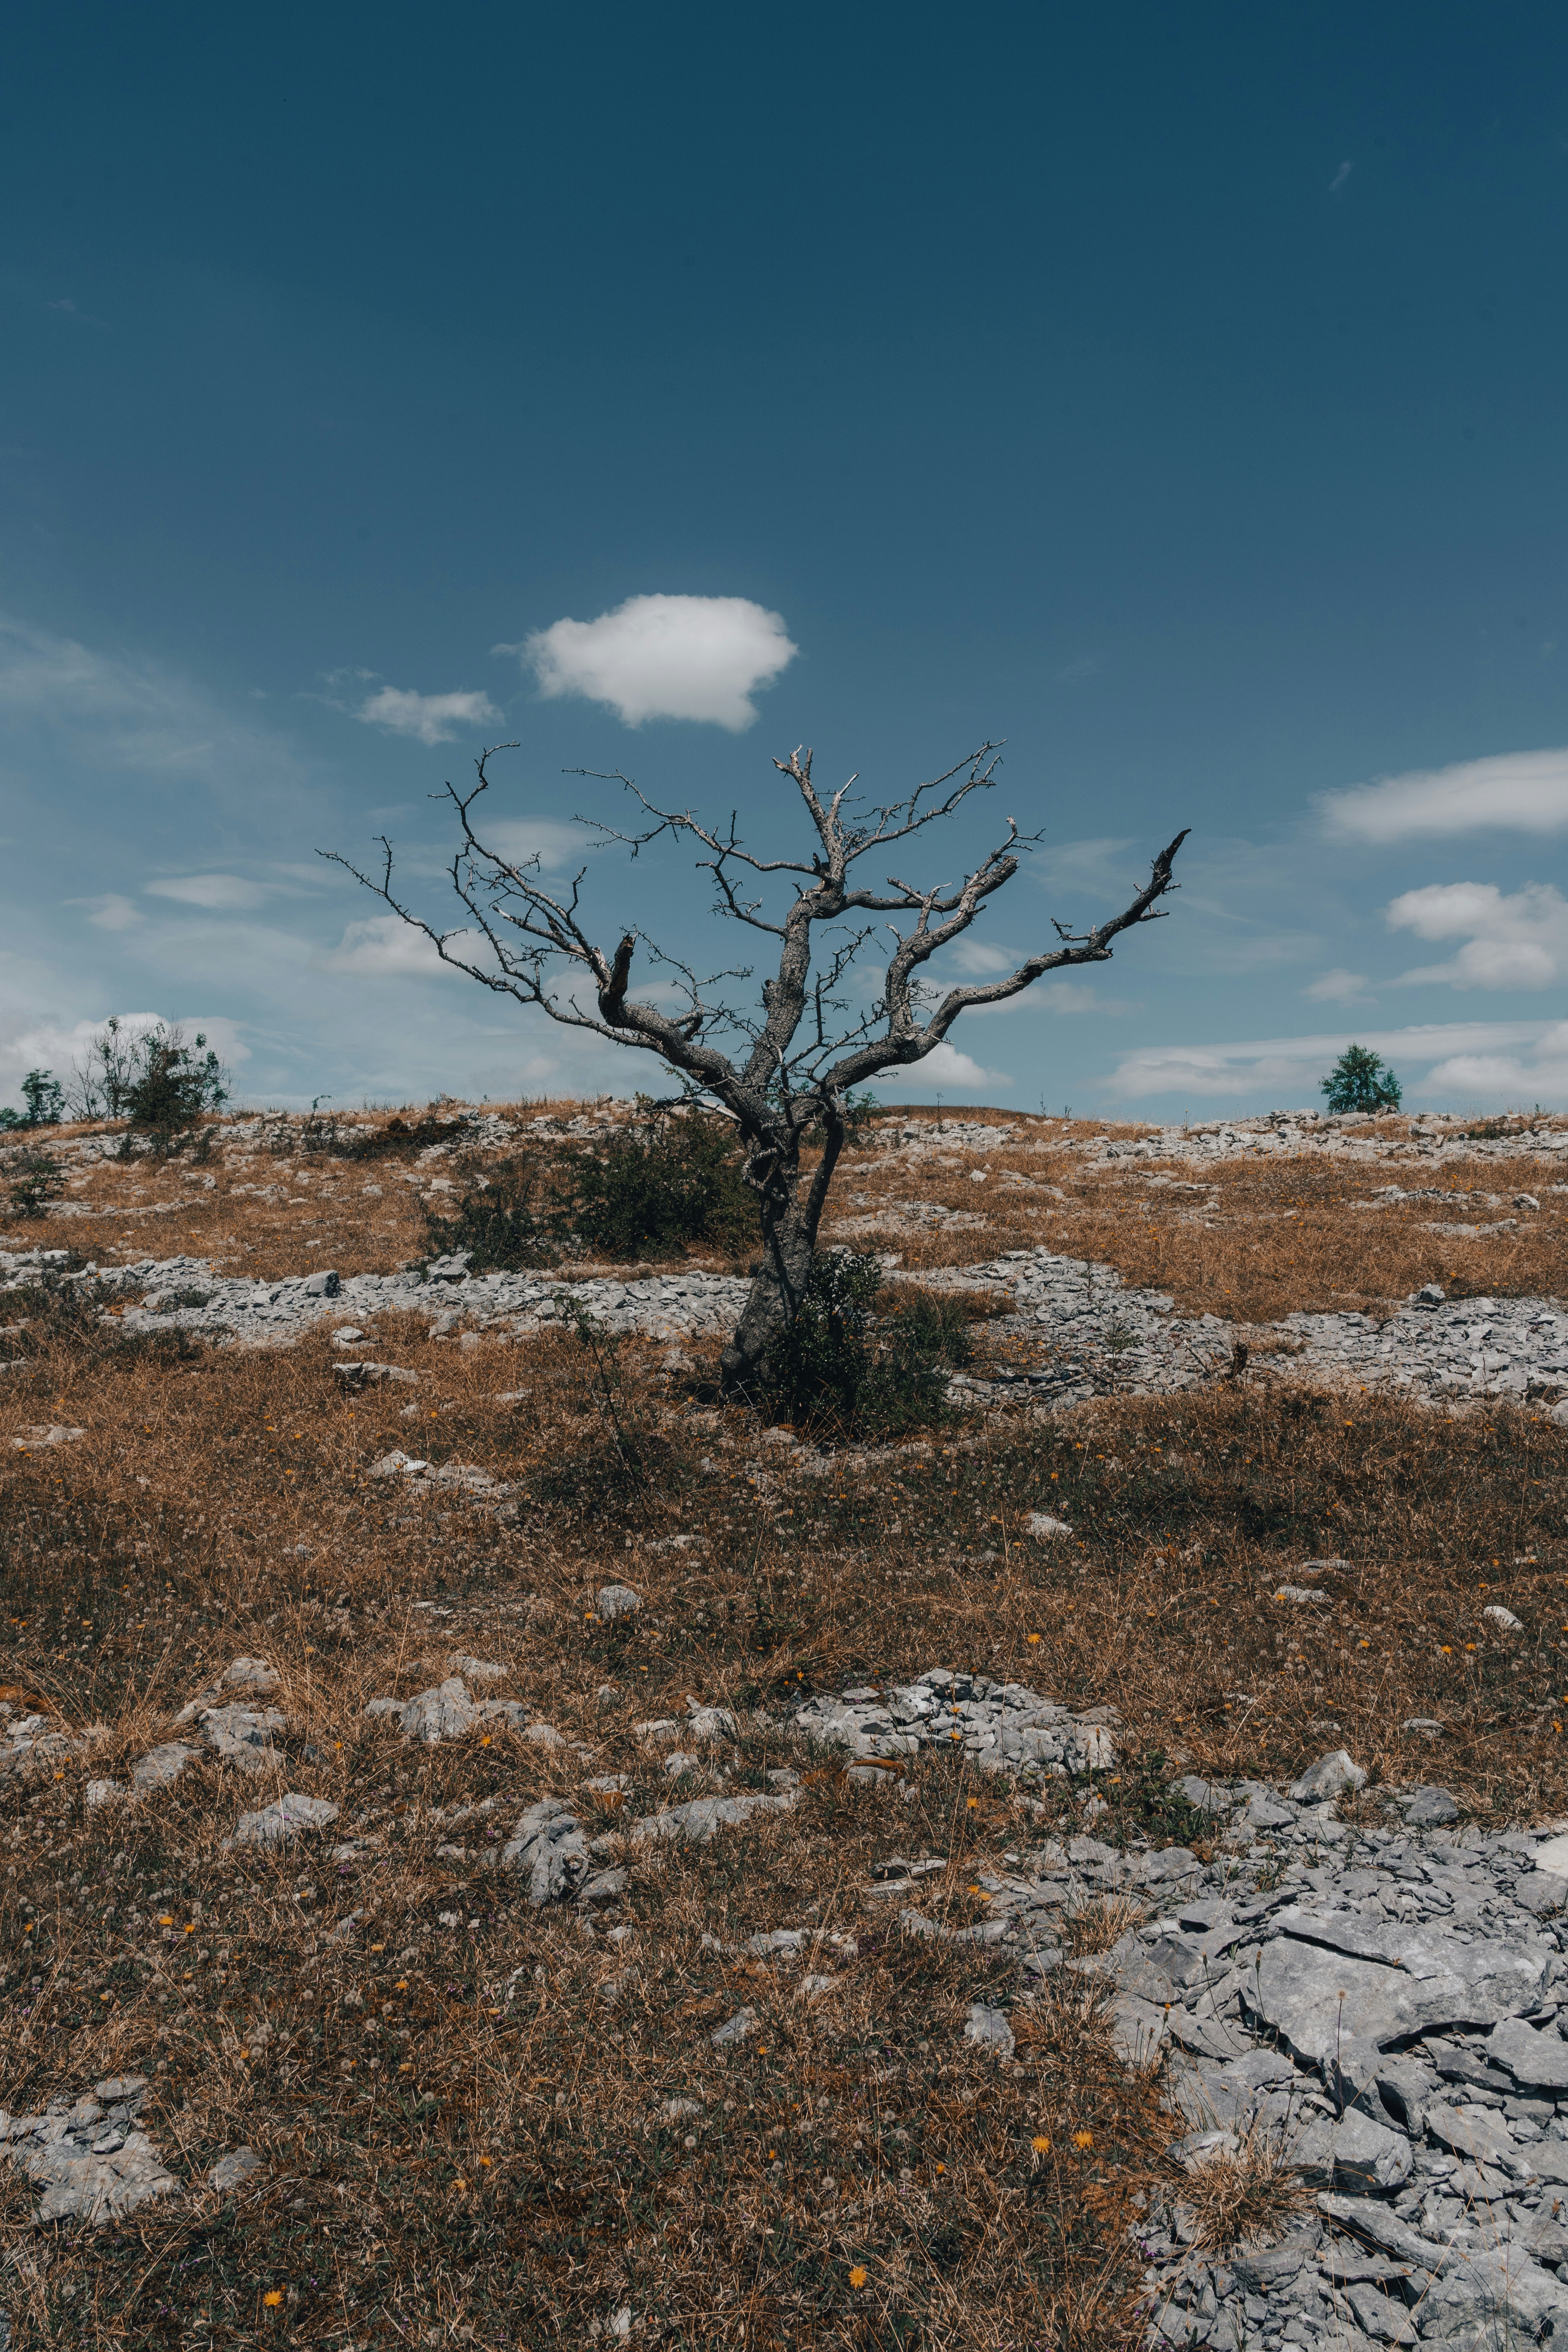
point(1244, 2196)
point(1249, 1239)
point(221, 1505)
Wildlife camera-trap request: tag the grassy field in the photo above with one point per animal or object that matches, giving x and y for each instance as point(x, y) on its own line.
point(462, 2104)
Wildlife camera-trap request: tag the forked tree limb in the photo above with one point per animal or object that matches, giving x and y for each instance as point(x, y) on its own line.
point(791, 1069)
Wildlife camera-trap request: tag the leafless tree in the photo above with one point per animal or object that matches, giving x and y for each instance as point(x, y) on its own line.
point(785, 1071)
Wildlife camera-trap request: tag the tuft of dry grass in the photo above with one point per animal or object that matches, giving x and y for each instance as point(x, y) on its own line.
point(1246, 2194)
point(1100, 1925)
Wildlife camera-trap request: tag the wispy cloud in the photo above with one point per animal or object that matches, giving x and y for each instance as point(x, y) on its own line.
point(1525, 1059)
point(1340, 176)
point(1515, 792)
point(428, 717)
point(112, 911)
point(230, 891)
point(117, 713)
point(697, 657)
point(382, 947)
point(1518, 940)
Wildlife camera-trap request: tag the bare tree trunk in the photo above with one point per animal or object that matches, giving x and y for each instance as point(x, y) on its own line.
point(790, 1221)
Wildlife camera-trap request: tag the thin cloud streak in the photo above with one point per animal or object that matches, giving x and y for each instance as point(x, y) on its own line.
point(1515, 792)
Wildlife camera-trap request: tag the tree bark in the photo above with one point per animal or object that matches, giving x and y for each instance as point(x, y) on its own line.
point(790, 1220)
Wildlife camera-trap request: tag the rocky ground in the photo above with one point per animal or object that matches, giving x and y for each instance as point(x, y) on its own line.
point(932, 2002)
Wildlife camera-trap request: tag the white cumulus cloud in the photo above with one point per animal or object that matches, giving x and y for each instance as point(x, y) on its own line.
point(428, 718)
point(380, 946)
point(1337, 987)
point(944, 1065)
point(664, 658)
point(1518, 940)
point(1518, 792)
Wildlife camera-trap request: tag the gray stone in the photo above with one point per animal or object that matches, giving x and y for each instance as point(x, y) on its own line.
point(1265, 2270)
point(1427, 1727)
point(235, 2167)
point(1538, 2062)
point(605, 1886)
point(161, 1766)
point(1332, 1775)
point(353, 1377)
point(1266, 1812)
point(735, 2029)
point(1372, 2220)
point(1404, 2085)
point(1493, 2284)
point(711, 1723)
point(1430, 1809)
point(91, 2166)
point(548, 1846)
point(241, 1735)
point(1354, 2154)
point(1204, 1795)
point(1330, 2006)
point(250, 1674)
point(1380, 2316)
point(989, 2027)
point(1138, 2029)
point(1478, 2134)
point(703, 1817)
point(508, 1711)
point(617, 1601)
point(1546, 2240)
point(291, 1817)
point(444, 1712)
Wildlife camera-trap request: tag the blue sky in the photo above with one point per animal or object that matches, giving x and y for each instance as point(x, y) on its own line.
point(1176, 395)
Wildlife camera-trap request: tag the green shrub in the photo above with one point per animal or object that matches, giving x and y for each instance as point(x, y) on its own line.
point(36, 1181)
point(1361, 1080)
point(173, 1088)
point(671, 1179)
point(43, 1103)
point(497, 1222)
point(845, 1365)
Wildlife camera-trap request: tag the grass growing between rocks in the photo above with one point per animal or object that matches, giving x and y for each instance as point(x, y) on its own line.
point(462, 2104)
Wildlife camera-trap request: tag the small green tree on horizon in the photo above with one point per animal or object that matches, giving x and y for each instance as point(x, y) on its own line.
point(43, 1101)
point(1361, 1080)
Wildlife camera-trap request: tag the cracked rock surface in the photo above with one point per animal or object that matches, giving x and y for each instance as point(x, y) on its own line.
point(1387, 2009)
point(91, 2160)
point(1106, 1334)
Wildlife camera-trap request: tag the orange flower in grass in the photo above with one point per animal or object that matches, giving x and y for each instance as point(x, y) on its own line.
point(858, 2275)
point(1083, 2139)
